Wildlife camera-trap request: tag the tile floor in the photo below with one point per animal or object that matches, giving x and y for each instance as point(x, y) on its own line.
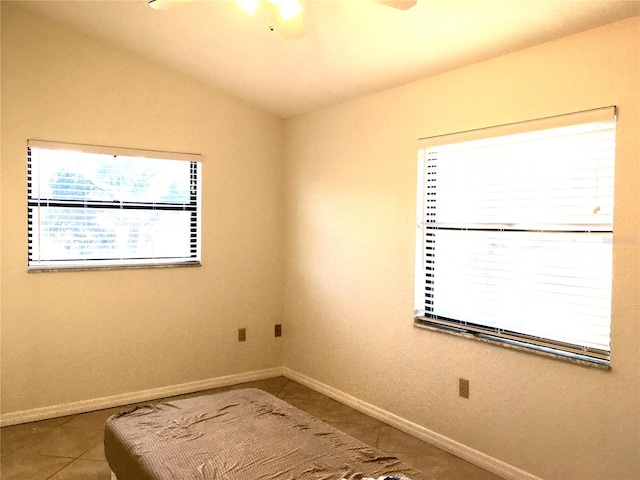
point(71, 447)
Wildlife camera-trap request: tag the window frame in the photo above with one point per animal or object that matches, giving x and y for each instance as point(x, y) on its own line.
point(497, 336)
point(193, 206)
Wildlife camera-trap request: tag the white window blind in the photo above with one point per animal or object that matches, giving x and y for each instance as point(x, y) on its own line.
point(94, 207)
point(515, 233)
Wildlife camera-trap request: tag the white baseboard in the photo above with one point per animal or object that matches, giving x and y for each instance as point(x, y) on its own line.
point(458, 449)
point(476, 457)
point(83, 406)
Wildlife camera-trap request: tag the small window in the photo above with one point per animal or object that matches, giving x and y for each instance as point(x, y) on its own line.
point(91, 207)
point(515, 234)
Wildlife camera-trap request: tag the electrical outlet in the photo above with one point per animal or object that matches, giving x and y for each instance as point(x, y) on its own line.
point(278, 330)
point(242, 334)
point(463, 388)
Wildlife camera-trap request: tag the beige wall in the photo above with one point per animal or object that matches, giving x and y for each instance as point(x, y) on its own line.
point(350, 186)
point(342, 209)
point(74, 336)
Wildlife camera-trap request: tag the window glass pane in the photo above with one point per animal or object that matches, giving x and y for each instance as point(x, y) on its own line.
point(515, 235)
point(94, 209)
point(529, 180)
point(555, 285)
point(85, 233)
point(70, 175)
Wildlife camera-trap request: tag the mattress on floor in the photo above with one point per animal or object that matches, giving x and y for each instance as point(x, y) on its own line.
point(238, 435)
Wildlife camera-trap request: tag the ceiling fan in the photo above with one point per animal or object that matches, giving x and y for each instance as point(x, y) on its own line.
point(286, 15)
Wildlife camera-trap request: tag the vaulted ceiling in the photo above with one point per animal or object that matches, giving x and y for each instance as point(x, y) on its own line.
point(353, 47)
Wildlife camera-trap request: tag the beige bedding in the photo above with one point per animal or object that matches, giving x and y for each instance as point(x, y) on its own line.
point(238, 435)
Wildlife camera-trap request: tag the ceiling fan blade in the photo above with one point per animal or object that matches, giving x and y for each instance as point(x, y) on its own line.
point(293, 28)
point(399, 4)
point(166, 4)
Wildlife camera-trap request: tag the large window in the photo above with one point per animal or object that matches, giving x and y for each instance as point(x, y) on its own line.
point(515, 234)
point(94, 207)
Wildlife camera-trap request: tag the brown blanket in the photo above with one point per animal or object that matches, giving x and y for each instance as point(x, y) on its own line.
point(238, 435)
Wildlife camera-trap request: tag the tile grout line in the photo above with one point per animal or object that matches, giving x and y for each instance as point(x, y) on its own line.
point(58, 471)
point(282, 388)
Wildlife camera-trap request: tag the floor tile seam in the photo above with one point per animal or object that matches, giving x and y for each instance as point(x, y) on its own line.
point(60, 469)
point(302, 397)
point(5, 455)
point(73, 427)
point(87, 451)
point(50, 455)
point(71, 417)
point(282, 388)
point(318, 401)
point(95, 460)
point(351, 423)
point(410, 453)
